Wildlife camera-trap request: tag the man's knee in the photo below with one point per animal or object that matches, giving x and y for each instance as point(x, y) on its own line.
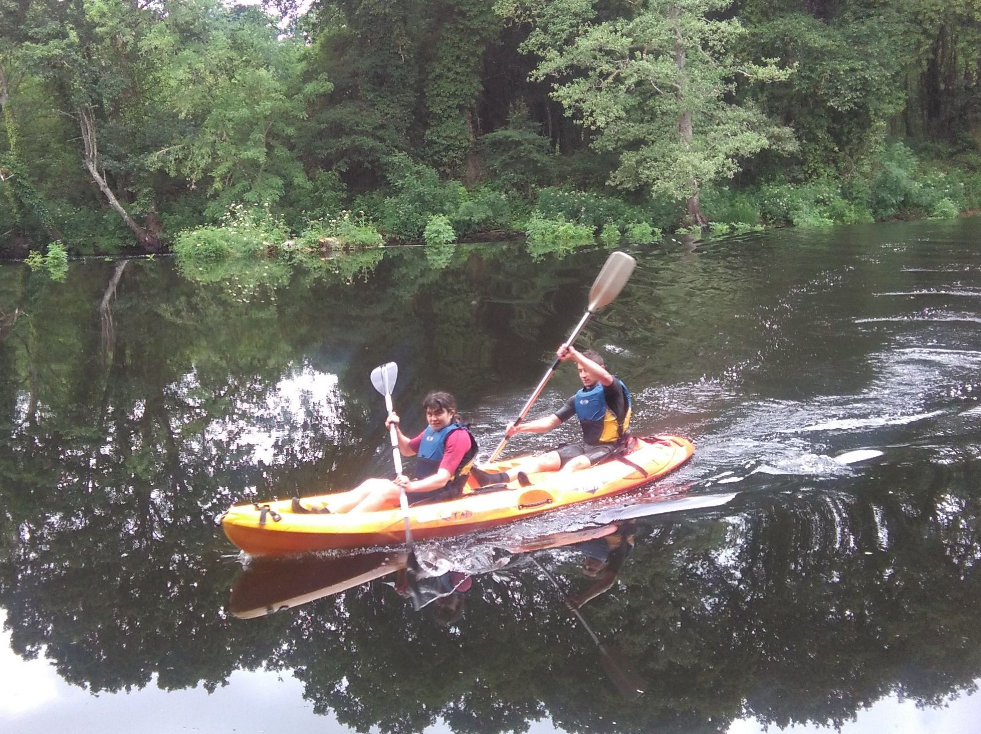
point(579, 462)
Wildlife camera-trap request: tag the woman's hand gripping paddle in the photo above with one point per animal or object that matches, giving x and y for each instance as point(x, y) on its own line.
point(606, 287)
point(383, 378)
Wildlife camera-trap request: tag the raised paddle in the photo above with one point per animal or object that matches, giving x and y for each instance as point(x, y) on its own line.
point(383, 378)
point(624, 677)
point(607, 286)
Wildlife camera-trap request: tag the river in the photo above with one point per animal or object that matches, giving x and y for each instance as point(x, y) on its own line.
point(817, 568)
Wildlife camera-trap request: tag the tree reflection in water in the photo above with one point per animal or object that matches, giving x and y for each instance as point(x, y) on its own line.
point(798, 601)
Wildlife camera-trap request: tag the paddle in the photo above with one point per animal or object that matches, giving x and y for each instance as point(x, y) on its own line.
point(624, 677)
point(607, 286)
point(383, 378)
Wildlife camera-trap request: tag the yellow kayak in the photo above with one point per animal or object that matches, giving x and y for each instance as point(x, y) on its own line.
point(273, 529)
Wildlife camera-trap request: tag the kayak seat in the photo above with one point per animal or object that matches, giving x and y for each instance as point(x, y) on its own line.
point(299, 509)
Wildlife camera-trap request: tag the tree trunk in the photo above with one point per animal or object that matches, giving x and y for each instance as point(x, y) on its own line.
point(693, 205)
point(7, 321)
point(473, 172)
point(8, 125)
point(105, 312)
point(147, 240)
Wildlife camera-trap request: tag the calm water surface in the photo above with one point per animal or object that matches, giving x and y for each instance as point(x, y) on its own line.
point(816, 565)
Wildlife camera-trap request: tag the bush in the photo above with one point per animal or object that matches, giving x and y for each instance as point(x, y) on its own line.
point(34, 260)
point(555, 236)
point(480, 210)
point(584, 207)
point(347, 230)
point(894, 184)
point(439, 231)
point(245, 231)
point(807, 205)
point(640, 233)
point(518, 156)
point(89, 231)
point(732, 207)
point(944, 209)
point(56, 262)
point(419, 194)
point(610, 236)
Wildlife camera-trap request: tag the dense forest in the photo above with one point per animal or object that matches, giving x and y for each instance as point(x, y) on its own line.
point(151, 125)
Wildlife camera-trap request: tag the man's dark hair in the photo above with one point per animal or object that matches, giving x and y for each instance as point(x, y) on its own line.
point(595, 356)
point(439, 401)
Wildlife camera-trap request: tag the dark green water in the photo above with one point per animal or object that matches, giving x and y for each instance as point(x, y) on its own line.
point(818, 590)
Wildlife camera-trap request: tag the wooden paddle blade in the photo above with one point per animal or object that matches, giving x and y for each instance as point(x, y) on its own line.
point(384, 376)
point(611, 280)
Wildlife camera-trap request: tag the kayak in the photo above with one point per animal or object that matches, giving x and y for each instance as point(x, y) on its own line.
point(274, 529)
point(273, 584)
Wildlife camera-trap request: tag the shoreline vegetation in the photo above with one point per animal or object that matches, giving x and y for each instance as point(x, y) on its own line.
point(226, 133)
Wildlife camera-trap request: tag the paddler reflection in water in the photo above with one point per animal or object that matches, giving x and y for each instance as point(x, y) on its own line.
point(602, 560)
point(603, 407)
point(603, 557)
point(444, 450)
point(445, 592)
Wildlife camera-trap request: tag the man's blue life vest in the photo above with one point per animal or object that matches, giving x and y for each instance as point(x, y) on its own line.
point(599, 424)
point(431, 451)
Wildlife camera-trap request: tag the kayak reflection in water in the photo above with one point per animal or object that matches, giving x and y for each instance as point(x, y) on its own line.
point(442, 583)
point(603, 407)
point(444, 450)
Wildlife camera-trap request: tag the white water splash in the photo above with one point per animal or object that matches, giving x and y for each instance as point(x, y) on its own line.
point(847, 424)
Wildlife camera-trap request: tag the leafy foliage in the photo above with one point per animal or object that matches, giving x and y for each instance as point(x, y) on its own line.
point(124, 123)
point(657, 87)
point(555, 236)
point(419, 194)
point(439, 231)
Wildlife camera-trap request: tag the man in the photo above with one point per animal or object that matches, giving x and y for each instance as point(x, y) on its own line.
point(603, 407)
point(444, 449)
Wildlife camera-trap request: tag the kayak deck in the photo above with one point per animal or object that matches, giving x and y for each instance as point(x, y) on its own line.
point(273, 529)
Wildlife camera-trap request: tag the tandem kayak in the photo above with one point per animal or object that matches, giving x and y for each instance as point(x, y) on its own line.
point(274, 529)
point(272, 584)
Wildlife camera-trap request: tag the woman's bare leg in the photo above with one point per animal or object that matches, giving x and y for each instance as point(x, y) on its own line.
point(381, 498)
point(347, 501)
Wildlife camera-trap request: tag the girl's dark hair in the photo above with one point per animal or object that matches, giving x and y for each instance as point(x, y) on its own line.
point(439, 401)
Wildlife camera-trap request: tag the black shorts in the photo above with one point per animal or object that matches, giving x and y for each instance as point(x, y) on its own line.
point(595, 454)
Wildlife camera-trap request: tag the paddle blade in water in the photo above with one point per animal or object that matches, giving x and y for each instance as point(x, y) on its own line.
point(383, 377)
point(611, 279)
point(853, 457)
point(621, 672)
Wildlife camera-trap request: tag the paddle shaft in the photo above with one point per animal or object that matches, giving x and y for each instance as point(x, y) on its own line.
point(541, 385)
point(607, 286)
point(397, 456)
point(393, 432)
point(620, 673)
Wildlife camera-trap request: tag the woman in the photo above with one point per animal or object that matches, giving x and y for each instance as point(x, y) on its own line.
point(445, 451)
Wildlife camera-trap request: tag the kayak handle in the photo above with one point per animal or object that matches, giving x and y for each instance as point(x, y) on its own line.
point(539, 503)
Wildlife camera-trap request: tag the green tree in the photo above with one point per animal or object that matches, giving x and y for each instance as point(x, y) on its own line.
point(658, 87)
point(849, 83)
point(240, 95)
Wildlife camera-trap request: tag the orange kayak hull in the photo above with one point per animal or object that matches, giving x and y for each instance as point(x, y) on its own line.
point(273, 529)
